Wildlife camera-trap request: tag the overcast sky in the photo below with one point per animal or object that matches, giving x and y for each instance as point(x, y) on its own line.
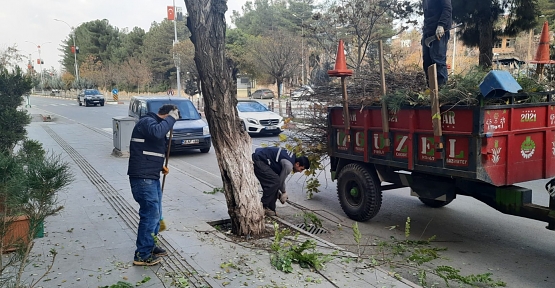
point(33, 20)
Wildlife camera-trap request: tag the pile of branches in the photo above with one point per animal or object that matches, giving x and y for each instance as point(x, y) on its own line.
point(365, 89)
point(409, 88)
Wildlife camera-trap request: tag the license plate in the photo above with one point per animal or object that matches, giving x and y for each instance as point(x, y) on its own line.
point(189, 141)
point(271, 127)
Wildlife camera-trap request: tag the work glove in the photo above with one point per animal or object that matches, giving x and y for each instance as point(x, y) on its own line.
point(439, 32)
point(174, 113)
point(165, 170)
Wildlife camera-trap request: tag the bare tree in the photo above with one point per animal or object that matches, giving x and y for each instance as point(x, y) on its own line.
point(136, 73)
point(10, 56)
point(185, 50)
point(278, 55)
point(92, 69)
point(360, 23)
point(206, 21)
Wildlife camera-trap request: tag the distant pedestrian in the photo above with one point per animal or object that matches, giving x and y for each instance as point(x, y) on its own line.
point(146, 161)
point(272, 165)
point(437, 21)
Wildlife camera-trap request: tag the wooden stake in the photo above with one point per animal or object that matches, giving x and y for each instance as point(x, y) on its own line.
point(385, 112)
point(436, 113)
point(346, 116)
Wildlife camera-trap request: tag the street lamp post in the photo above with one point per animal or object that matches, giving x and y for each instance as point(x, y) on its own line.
point(302, 48)
point(75, 53)
point(177, 60)
point(40, 63)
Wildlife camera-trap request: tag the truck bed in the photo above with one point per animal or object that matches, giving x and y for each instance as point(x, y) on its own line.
point(499, 145)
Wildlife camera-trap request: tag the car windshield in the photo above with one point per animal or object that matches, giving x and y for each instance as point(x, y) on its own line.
point(187, 110)
point(251, 107)
point(92, 92)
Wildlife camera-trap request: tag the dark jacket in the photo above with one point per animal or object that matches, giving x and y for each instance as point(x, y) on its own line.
point(436, 12)
point(148, 146)
point(272, 156)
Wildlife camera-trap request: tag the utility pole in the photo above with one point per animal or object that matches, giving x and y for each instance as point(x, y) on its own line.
point(176, 55)
point(75, 47)
point(41, 77)
point(40, 63)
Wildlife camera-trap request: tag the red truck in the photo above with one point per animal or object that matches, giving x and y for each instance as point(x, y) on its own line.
point(485, 150)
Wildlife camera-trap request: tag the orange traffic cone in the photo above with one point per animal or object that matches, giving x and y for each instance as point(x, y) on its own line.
point(340, 63)
point(542, 54)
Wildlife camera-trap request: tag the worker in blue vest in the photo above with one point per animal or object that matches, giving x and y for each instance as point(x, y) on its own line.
point(147, 151)
point(437, 21)
point(272, 165)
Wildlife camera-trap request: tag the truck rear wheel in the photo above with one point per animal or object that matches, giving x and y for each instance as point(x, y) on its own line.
point(434, 203)
point(359, 192)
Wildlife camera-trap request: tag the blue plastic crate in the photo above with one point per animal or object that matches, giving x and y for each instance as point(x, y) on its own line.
point(497, 83)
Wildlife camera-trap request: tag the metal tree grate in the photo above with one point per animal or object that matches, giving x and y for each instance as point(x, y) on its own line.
point(312, 229)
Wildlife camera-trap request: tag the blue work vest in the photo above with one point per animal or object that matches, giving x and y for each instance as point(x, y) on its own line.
point(272, 156)
point(148, 146)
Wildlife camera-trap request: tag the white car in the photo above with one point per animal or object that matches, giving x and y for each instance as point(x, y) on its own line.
point(302, 93)
point(257, 119)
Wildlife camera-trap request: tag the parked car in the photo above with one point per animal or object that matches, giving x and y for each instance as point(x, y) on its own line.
point(262, 94)
point(302, 93)
point(257, 119)
point(189, 132)
point(90, 97)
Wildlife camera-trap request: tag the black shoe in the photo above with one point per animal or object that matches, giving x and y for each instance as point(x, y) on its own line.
point(159, 252)
point(152, 260)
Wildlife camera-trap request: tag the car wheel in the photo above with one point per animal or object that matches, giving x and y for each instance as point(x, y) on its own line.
point(102, 104)
point(204, 150)
point(86, 103)
point(80, 104)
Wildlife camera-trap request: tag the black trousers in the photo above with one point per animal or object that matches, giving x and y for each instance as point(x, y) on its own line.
point(270, 183)
point(436, 54)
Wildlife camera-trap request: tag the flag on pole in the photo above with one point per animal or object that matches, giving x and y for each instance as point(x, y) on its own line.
point(179, 13)
point(171, 13)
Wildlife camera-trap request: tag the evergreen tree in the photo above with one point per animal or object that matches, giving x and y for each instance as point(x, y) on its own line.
point(479, 16)
point(13, 85)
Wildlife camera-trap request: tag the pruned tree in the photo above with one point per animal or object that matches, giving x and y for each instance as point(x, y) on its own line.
point(479, 16)
point(206, 22)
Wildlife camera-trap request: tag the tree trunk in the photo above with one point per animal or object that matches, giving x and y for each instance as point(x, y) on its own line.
point(233, 146)
point(486, 43)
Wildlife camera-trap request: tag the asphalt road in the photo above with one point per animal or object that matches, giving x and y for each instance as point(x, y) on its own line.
point(518, 251)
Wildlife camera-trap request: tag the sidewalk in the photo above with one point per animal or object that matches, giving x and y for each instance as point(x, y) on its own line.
point(94, 234)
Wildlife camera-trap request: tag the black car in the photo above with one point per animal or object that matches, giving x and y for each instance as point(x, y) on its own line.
point(189, 132)
point(90, 97)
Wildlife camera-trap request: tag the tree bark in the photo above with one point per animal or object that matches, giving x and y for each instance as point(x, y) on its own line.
point(206, 22)
point(486, 43)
